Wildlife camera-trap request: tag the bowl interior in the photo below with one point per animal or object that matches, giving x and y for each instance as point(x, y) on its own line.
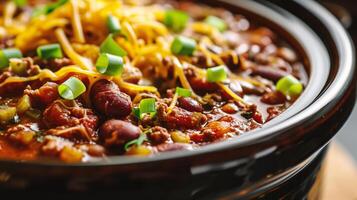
point(315, 56)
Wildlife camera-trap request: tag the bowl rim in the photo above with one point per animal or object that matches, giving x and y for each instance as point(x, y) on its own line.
point(334, 91)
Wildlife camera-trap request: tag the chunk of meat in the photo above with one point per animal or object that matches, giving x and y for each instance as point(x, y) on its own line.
point(117, 132)
point(274, 111)
point(131, 74)
point(10, 89)
point(109, 100)
point(159, 135)
point(24, 67)
point(179, 118)
point(52, 145)
point(43, 96)
point(173, 147)
point(70, 121)
point(53, 64)
point(199, 85)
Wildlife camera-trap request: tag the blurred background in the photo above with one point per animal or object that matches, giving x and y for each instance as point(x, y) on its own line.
point(346, 12)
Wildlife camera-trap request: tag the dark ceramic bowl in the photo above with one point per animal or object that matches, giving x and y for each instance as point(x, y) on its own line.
point(282, 159)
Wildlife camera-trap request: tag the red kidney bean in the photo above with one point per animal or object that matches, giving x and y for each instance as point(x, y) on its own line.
point(201, 85)
point(273, 98)
point(230, 108)
point(117, 132)
point(251, 89)
point(108, 100)
point(190, 104)
point(216, 130)
point(180, 118)
point(95, 150)
point(269, 73)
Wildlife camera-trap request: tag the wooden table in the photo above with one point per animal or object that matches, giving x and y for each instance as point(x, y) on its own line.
point(340, 175)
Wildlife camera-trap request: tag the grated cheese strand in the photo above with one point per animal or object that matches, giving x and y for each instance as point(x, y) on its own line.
point(76, 22)
point(68, 49)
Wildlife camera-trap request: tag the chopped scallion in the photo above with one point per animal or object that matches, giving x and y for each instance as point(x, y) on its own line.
point(289, 86)
point(71, 88)
point(20, 3)
point(176, 20)
point(183, 92)
point(7, 54)
point(146, 106)
point(18, 66)
point(183, 46)
point(109, 64)
point(50, 51)
point(110, 46)
point(139, 141)
point(216, 22)
point(113, 24)
point(47, 9)
point(216, 74)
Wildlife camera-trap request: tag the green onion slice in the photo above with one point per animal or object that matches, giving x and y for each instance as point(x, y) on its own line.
point(139, 141)
point(146, 106)
point(50, 51)
point(289, 86)
point(111, 47)
point(183, 46)
point(176, 20)
point(216, 74)
point(71, 88)
point(47, 9)
point(20, 3)
point(183, 92)
point(216, 22)
point(7, 54)
point(109, 64)
point(113, 24)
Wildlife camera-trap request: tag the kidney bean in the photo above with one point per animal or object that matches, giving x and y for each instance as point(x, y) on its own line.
point(172, 147)
point(251, 89)
point(230, 108)
point(190, 104)
point(269, 73)
point(108, 100)
point(131, 74)
point(288, 54)
point(273, 98)
point(216, 130)
point(93, 149)
point(117, 132)
point(159, 135)
point(201, 85)
point(180, 118)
